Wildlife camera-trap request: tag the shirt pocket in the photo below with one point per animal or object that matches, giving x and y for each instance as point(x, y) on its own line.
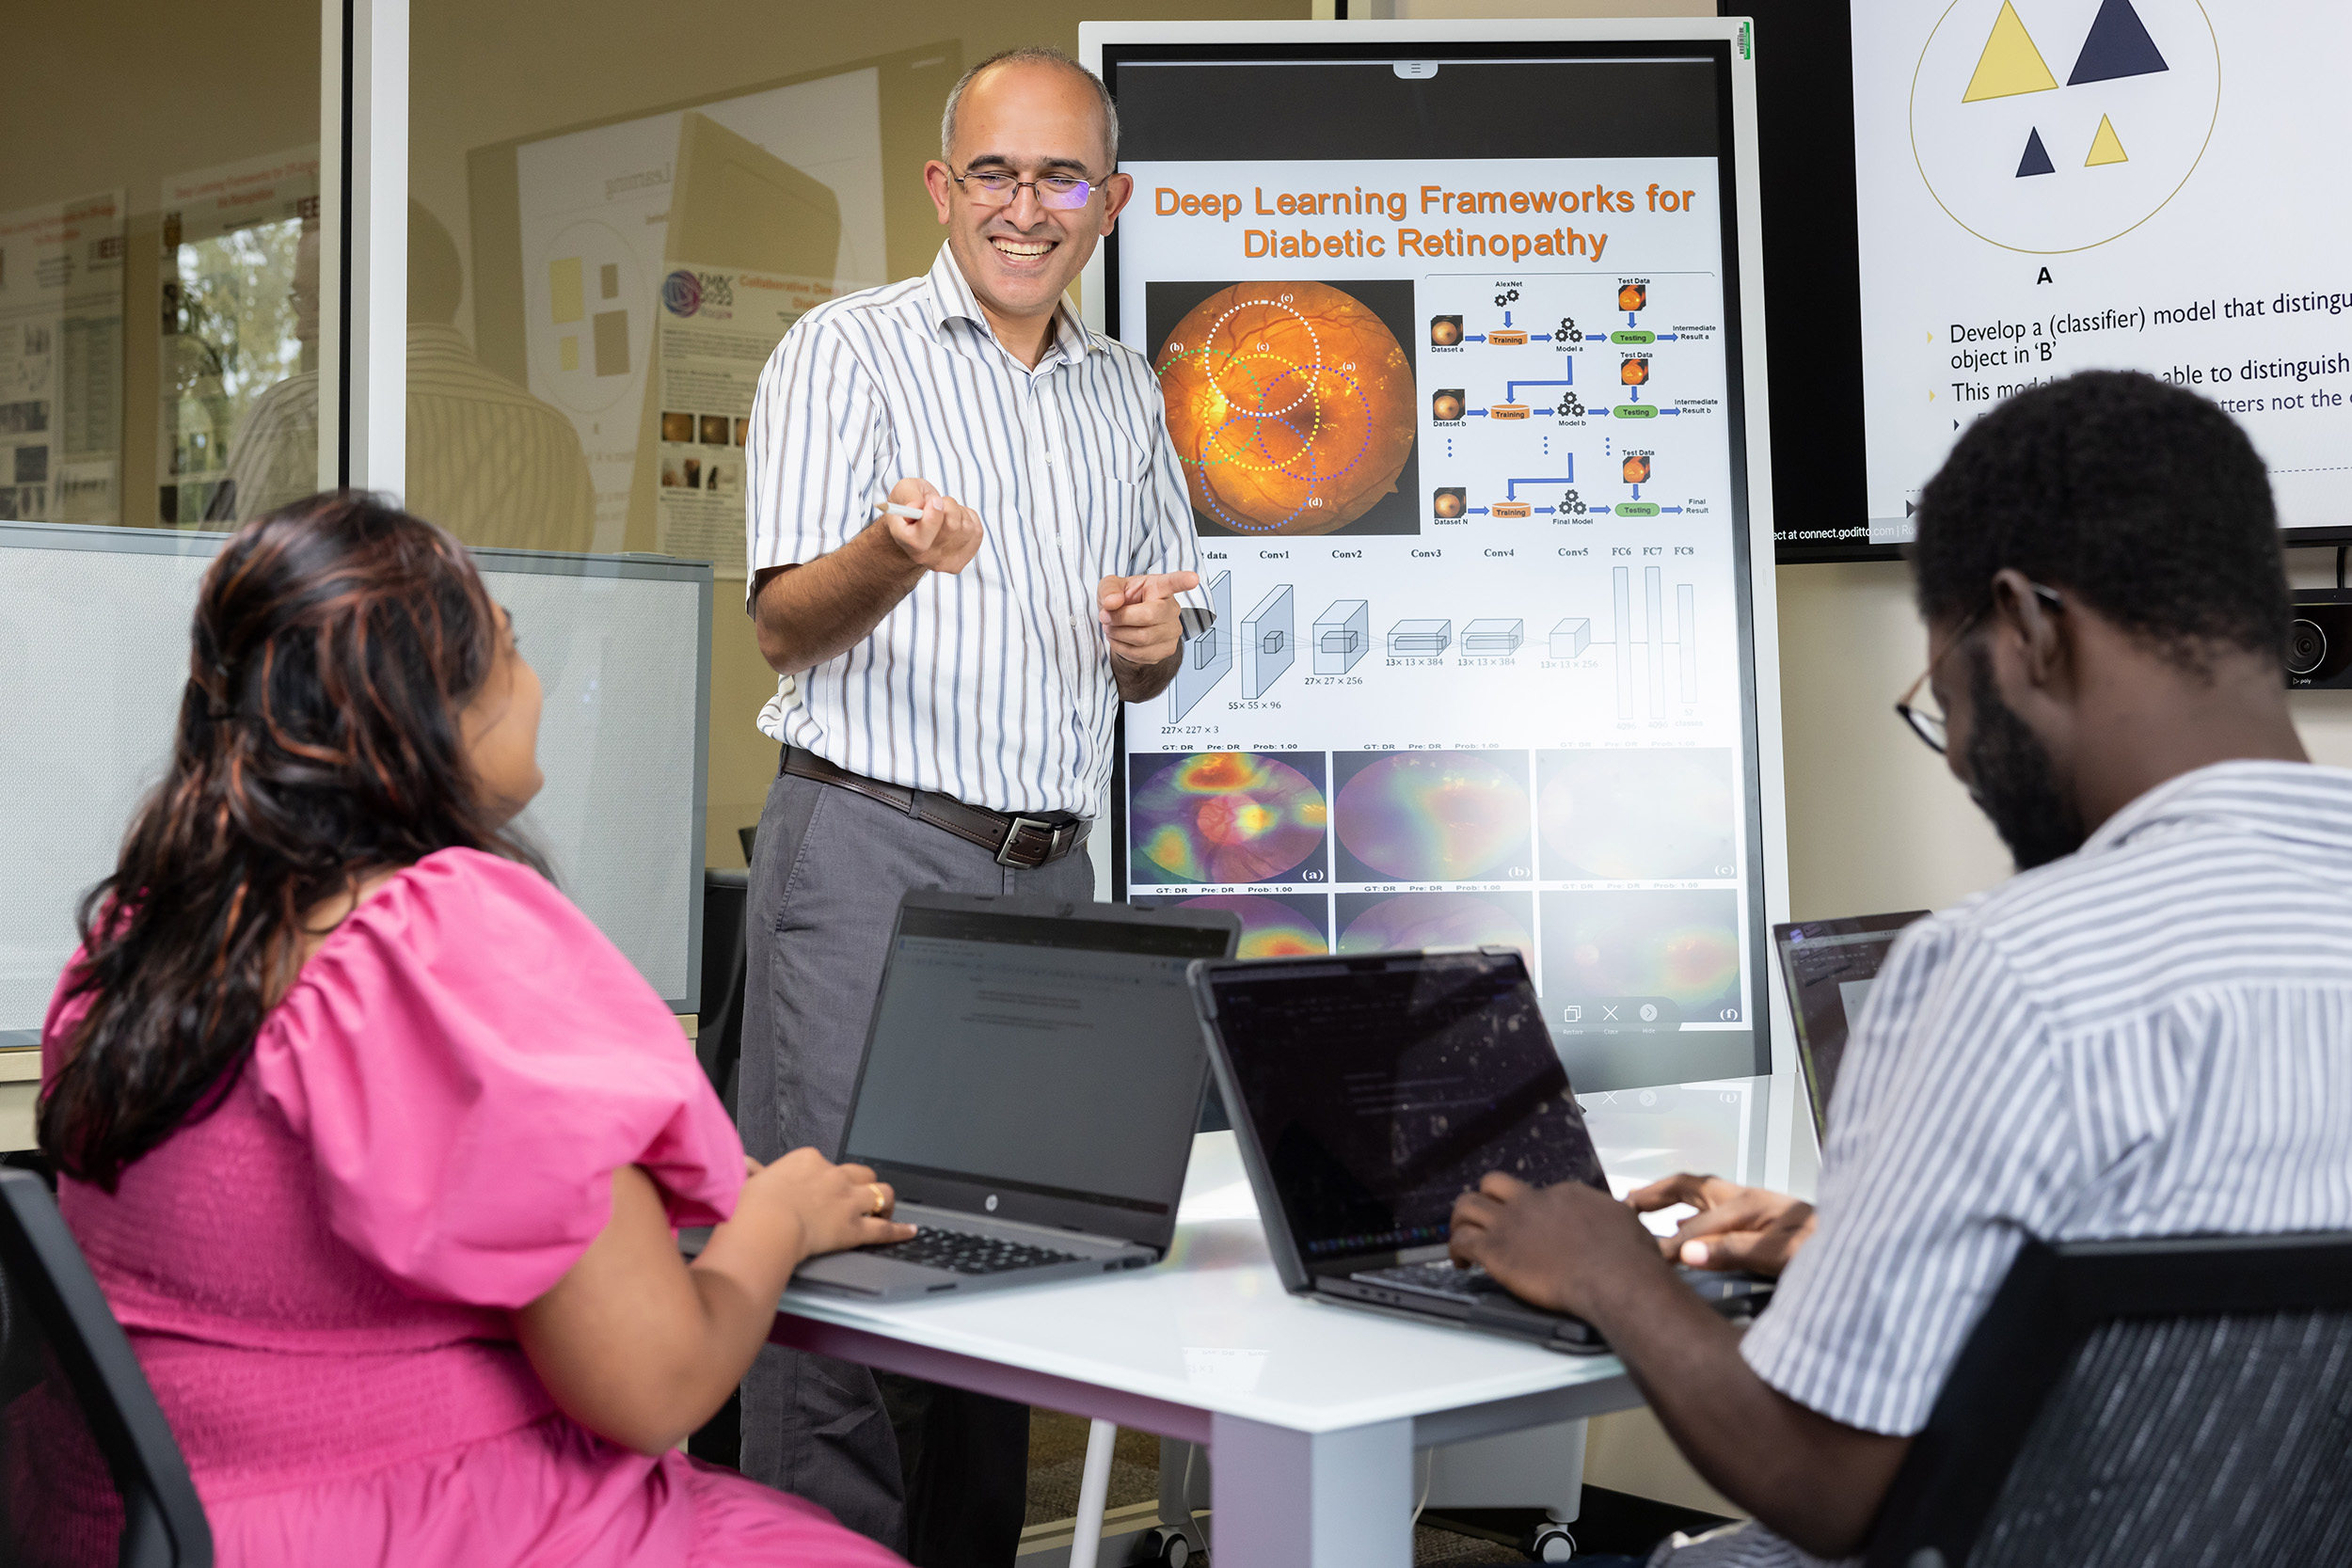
point(1113, 523)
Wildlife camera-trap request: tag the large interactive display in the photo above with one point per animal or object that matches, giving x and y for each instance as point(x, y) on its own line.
point(1458, 340)
point(2053, 185)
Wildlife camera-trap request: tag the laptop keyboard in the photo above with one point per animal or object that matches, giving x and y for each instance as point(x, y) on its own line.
point(961, 1252)
point(1438, 1278)
point(1441, 1278)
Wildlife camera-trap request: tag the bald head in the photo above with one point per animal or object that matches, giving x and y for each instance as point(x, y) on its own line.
point(1035, 69)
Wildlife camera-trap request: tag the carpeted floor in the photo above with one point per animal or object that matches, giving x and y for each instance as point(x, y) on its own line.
point(1058, 1451)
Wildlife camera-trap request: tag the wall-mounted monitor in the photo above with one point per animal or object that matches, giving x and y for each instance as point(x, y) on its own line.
point(1455, 325)
point(1966, 198)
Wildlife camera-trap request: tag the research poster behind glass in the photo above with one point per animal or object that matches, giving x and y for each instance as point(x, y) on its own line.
point(2046, 187)
point(1450, 340)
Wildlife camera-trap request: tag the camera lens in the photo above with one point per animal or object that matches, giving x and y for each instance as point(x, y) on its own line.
point(2307, 646)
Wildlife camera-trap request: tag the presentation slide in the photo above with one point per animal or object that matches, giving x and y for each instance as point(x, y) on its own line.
point(2047, 186)
point(1462, 431)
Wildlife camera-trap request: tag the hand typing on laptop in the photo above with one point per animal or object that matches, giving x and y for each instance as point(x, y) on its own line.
point(1753, 1228)
point(1573, 1248)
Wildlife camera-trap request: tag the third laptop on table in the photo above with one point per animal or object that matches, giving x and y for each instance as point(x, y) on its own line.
point(1369, 1092)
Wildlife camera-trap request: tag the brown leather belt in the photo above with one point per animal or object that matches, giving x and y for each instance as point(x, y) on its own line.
point(1023, 842)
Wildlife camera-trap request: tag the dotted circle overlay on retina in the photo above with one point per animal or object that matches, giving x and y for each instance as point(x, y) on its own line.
point(1311, 375)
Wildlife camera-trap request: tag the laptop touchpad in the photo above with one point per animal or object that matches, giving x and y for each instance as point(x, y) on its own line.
point(868, 1275)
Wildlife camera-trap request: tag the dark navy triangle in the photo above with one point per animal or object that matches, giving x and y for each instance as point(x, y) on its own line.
point(2036, 158)
point(2119, 45)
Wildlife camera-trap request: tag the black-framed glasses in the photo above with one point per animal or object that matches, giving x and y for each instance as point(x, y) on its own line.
point(997, 187)
point(1928, 726)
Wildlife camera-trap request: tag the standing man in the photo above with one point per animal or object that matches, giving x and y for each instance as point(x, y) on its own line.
point(949, 683)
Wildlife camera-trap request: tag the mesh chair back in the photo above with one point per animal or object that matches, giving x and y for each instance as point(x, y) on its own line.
point(89, 1474)
point(2129, 1404)
point(2221, 1440)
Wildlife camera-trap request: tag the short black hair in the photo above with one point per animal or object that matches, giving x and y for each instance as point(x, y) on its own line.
point(2141, 499)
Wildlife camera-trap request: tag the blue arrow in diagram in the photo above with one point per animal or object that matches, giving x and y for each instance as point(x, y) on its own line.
point(1510, 388)
point(1511, 486)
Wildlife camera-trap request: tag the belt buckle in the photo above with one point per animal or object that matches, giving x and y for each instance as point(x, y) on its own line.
point(1004, 851)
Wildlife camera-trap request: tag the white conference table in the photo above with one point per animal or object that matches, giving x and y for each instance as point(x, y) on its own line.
point(1310, 1412)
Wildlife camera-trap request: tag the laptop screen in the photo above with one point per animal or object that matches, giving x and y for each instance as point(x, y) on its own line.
point(1379, 1089)
point(1027, 1054)
point(1830, 966)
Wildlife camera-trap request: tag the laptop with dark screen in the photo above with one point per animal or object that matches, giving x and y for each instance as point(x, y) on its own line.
point(1368, 1092)
point(1032, 1075)
point(1830, 966)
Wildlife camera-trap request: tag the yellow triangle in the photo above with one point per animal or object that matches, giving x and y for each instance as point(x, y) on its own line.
point(2009, 64)
point(2106, 148)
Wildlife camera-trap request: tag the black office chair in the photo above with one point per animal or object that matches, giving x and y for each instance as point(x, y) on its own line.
point(719, 1038)
point(90, 1475)
point(2142, 1403)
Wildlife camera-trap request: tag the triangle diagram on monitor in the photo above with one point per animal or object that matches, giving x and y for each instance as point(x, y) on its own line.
point(2119, 45)
point(2036, 158)
point(2009, 64)
point(2106, 148)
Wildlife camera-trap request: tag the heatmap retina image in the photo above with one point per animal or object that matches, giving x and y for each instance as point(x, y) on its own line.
point(1374, 923)
point(1293, 406)
point(1431, 817)
point(1662, 815)
point(1227, 817)
point(1609, 956)
point(1273, 924)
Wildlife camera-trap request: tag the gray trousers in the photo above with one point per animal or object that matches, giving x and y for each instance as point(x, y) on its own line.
point(828, 868)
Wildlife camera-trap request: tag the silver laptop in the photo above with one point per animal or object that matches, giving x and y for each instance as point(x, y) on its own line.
point(1830, 966)
point(1368, 1092)
point(1032, 1076)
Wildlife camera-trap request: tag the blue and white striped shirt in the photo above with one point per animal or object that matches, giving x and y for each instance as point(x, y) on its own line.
point(2152, 1037)
point(993, 684)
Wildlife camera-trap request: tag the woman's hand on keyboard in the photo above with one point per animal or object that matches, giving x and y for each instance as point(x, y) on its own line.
point(832, 1206)
point(1736, 1227)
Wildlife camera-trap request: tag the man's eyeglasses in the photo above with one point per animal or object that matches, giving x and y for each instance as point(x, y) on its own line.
point(997, 187)
point(1928, 726)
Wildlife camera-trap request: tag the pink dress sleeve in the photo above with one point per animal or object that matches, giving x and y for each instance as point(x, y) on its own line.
point(470, 1060)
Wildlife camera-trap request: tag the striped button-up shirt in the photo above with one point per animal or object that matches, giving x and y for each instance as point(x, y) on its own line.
point(2152, 1037)
point(995, 684)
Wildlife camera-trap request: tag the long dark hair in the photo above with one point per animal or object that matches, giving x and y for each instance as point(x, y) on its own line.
point(336, 643)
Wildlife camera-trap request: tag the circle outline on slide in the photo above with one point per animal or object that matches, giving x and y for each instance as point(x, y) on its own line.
point(1308, 464)
point(1911, 109)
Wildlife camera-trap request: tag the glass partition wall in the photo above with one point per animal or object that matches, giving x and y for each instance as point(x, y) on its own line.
point(613, 216)
point(173, 284)
point(159, 240)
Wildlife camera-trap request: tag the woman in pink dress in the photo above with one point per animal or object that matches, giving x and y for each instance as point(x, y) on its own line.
point(374, 1142)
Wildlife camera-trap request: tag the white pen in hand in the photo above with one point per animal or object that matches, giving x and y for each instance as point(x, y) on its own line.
point(892, 509)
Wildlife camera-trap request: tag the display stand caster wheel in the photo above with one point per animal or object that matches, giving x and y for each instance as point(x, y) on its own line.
point(1166, 1547)
point(1550, 1543)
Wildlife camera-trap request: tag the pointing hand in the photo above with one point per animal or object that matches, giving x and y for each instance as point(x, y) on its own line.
point(1140, 615)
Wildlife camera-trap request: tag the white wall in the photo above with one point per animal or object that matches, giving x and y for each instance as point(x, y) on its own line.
point(1875, 823)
